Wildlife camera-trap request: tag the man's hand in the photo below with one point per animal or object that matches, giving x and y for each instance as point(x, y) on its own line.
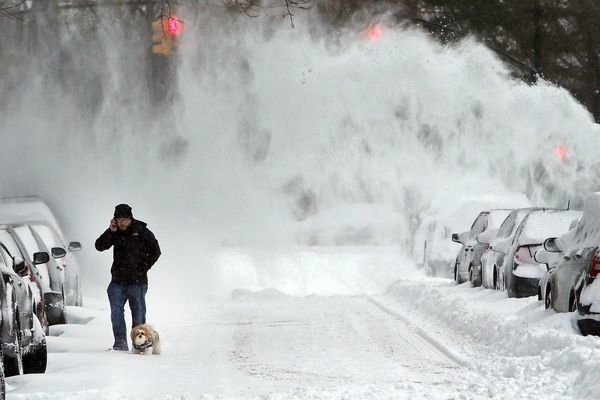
point(113, 225)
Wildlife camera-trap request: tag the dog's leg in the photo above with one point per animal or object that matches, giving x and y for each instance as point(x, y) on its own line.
point(148, 351)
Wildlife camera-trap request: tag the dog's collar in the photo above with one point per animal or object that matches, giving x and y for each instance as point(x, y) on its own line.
point(140, 347)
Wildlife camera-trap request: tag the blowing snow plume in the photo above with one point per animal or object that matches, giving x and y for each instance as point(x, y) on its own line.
point(256, 126)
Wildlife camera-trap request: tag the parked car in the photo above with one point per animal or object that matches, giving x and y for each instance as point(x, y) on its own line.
point(34, 212)
point(492, 260)
point(49, 275)
point(474, 243)
point(454, 212)
point(49, 241)
point(23, 340)
point(557, 286)
point(521, 273)
point(29, 271)
point(578, 270)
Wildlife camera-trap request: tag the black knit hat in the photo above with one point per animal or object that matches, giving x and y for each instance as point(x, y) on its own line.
point(123, 211)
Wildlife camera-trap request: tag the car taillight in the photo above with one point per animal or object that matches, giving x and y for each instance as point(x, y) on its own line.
point(523, 255)
point(594, 268)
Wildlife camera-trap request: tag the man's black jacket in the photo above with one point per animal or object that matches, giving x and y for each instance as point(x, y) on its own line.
point(135, 251)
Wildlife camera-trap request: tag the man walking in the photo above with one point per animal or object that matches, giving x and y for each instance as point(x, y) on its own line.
point(135, 251)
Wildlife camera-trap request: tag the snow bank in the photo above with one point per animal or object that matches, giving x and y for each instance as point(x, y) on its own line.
point(520, 349)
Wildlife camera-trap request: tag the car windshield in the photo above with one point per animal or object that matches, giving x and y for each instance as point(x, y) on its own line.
point(28, 240)
point(5, 260)
point(9, 242)
point(47, 235)
point(479, 225)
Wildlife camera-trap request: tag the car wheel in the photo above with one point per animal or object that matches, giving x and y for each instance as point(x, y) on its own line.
point(498, 284)
point(54, 304)
point(548, 299)
point(13, 364)
point(79, 302)
point(476, 280)
point(572, 301)
point(36, 358)
point(495, 279)
point(456, 272)
point(2, 385)
point(578, 305)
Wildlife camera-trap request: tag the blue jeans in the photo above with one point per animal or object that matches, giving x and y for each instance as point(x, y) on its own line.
point(118, 295)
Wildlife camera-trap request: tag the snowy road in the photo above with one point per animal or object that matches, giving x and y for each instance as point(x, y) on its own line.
point(259, 344)
point(425, 338)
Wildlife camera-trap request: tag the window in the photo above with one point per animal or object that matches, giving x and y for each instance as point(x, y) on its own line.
point(9, 242)
point(507, 226)
point(28, 240)
point(479, 225)
point(47, 236)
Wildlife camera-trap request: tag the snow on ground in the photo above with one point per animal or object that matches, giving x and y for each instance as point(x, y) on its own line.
point(516, 347)
point(415, 338)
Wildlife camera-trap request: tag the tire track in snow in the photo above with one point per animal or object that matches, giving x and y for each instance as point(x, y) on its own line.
point(333, 341)
point(449, 355)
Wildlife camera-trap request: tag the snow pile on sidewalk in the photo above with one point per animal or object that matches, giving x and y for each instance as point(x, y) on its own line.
point(520, 349)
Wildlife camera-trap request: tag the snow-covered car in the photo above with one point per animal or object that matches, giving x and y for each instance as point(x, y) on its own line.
point(492, 260)
point(28, 270)
point(48, 274)
point(474, 243)
point(23, 340)
point(521, 273)
point(34, 212)
point(49, 240)
point(577, 272)
point(452, 212)
point(557, 287)
point(28, 208)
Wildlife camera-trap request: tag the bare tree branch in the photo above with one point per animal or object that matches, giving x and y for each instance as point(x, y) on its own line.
point(7, 10)
point(252, 7)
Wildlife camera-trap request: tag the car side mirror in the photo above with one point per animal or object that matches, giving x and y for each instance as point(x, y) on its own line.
point(58, 252)
point(487, 236)
point(74, 246)
point(551, 246)
point(20, 267)
point(40, 257)
point(541, 256)
point(455, 238)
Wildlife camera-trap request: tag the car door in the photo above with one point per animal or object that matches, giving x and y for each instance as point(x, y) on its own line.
point(21, 288)
point(565, 277)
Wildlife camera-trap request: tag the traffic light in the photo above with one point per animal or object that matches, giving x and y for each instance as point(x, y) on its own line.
point(164, 38)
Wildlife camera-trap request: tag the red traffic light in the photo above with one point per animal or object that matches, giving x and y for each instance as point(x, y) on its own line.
point(374, 32)
point(174, 26)
point(560, 152)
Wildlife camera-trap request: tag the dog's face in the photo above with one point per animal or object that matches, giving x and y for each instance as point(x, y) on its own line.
point(139, 336)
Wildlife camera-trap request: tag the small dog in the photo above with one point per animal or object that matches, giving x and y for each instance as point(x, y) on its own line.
point(145, 340)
